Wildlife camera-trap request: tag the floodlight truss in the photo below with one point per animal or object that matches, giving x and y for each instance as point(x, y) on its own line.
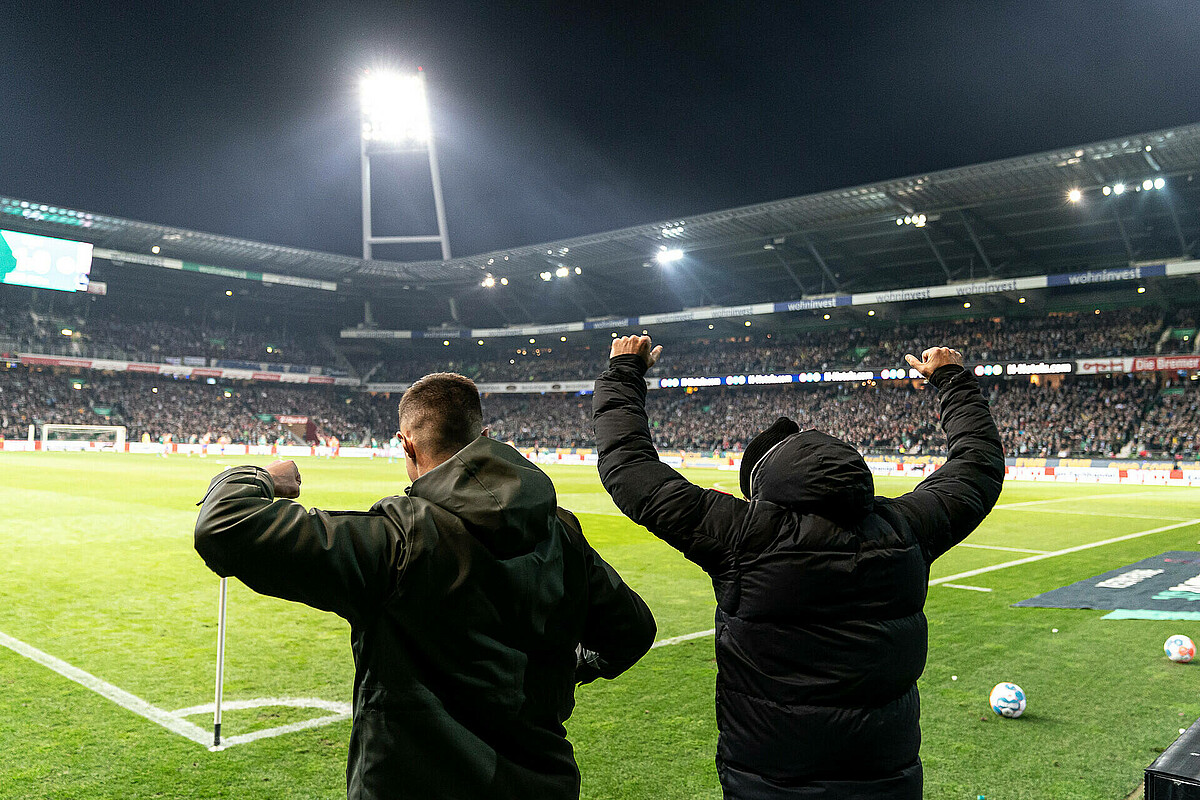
point(395, 119)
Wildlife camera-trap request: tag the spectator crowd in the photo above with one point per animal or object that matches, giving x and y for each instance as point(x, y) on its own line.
point(1076, 417)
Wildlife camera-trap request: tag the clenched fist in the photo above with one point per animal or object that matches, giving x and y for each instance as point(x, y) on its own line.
point(286, 476)
point(933, 358)
point(636, 345)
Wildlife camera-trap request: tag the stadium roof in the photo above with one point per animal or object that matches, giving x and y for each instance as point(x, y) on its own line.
point(1007, 218)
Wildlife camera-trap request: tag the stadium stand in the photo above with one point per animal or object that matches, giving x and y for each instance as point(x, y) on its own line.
point(1079, 417)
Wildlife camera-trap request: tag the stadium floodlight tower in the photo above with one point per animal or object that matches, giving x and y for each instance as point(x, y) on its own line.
point(395, 119)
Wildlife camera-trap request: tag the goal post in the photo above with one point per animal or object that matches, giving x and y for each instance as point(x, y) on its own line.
point(83, 437)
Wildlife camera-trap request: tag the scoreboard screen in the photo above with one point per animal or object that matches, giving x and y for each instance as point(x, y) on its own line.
point(44, 262)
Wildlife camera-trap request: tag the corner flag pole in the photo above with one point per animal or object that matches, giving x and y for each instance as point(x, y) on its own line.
point(220, 663)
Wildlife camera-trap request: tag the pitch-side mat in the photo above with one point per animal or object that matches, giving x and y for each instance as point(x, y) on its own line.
point(178, 722)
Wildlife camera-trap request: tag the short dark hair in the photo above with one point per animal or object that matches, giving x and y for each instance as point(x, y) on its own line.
point(445, 407)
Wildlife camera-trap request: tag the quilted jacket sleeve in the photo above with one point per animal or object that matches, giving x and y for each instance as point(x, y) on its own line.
point(698, 522)
point(950, 503)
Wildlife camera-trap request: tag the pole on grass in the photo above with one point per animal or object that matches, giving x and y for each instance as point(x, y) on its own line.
point(220, 663)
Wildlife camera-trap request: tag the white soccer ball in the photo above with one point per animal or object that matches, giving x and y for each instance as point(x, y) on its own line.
point(1007, 699)
point(1180, 648)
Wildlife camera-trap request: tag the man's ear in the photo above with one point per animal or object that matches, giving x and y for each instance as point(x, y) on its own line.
point(409, 450)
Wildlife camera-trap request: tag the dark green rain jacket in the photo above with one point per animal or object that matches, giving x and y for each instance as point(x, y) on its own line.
point(475, 606)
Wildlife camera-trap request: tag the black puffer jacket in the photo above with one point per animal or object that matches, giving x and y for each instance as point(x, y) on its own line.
point(820, 587)
point(467, 598)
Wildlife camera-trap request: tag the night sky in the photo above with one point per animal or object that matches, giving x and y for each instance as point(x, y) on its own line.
point(556, 119)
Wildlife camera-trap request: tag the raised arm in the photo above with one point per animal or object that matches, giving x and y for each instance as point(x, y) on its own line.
point(951, 502)
point(698, 522)
point(334, 561)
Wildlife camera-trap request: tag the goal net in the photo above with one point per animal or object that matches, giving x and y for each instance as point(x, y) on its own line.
point(84, 437)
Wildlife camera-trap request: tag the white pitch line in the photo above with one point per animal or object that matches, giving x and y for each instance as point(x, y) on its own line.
point(124, 699)
point(687, 637)
point(1063, 552)
point(1098, 514)
point(964, 586)
point(1027, 503)
point(998, 547)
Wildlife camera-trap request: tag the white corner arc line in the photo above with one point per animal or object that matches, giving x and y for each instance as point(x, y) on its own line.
point(687, 637)
point(964, 586)
point(1063, 552)
point(124, 699)
point(998, 547)
point(336, 706)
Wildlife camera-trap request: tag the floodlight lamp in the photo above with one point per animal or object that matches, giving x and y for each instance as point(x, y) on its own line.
point(394, 108)
point(1074, 195)
point(1141, 290)
point(504, 281)
point(561, 272)
point(1106, 191)
point(488, 282)
point(826, 316)
point(546, 276)
point(871, 313)
point(156, 249)
point(66, 331)
point(578, 271)
point(1159, 183)
point(1147, 184)
point(665, 256)
point(966, 305)
point(445, 342)
point(1118, 188)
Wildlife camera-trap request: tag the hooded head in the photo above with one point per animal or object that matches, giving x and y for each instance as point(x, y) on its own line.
point(807, 471)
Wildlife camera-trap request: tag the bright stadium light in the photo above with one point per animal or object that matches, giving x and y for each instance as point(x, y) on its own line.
point(1118, 188)
point(394, 108)
point(1106, 191)
point(665, 256)
point(1159, 183)
point(1074, 195)
point(546, 276)
point(562, 272)
point(504, 281)
point(395, 119)
point(1147, 184)
point(488, 282)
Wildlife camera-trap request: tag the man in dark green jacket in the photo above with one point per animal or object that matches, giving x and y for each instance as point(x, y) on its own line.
point(475, 605)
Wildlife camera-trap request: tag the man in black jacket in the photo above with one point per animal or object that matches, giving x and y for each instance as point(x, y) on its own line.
point(475, 605)
point(820, 585)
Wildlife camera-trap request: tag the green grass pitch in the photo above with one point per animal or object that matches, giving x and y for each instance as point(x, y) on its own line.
point(98, 571)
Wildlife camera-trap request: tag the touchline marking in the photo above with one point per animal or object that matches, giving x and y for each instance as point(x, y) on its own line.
point(687, 637)
point(1063, 552)
point(124, 699)
point(1070, 499)
point(998, 547)
point(964, 586)
point(175, 721)
point(1097, 513)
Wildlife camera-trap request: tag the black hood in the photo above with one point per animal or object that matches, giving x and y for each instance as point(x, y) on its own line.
point(502, 499)
point(816, 473)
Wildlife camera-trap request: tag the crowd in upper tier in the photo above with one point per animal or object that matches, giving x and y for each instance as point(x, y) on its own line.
point(155, 341)
point(1057, 337)
point(1081, 416)
point(868, 345)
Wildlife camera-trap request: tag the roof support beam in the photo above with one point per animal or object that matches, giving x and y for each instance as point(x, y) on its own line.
point(1124, 234)
point(936, 253)
point(975, 240)
point(1183, 247)
point(821, 262)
